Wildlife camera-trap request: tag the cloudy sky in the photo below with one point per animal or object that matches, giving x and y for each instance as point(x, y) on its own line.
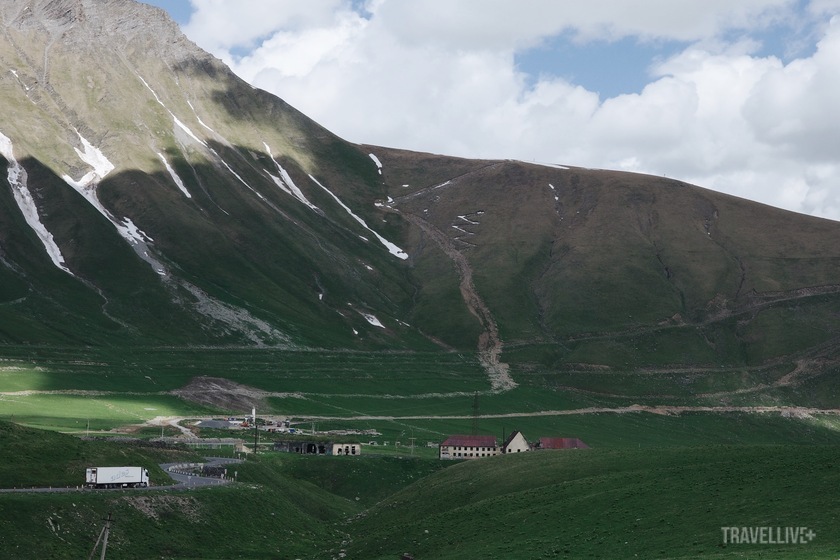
point(738, 96)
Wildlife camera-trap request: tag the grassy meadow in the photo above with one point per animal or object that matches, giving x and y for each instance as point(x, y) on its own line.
point(612, 503)
point(664, 501)
point(80, 389)
point(652, 485)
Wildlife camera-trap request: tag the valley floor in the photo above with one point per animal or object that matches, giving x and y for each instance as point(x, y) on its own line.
point(669, 470)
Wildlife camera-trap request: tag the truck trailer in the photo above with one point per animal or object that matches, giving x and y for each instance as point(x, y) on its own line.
point(116, 477)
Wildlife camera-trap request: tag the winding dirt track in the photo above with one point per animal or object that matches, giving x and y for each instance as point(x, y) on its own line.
point(797, 411)
point(792, 411)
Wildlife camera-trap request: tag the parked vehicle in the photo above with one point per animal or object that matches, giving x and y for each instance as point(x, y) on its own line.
point(116, 477)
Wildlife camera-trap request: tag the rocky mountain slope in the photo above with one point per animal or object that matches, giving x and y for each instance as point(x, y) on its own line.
point(149, 196)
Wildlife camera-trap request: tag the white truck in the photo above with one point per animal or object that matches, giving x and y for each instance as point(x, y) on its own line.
point(116, 477)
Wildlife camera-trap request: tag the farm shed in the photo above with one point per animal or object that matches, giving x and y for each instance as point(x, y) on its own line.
point(561, 443)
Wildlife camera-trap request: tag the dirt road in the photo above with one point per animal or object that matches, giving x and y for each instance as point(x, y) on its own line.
point(793, 411)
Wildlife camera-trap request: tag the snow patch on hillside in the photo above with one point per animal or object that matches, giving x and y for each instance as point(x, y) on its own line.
point(372, 320)
point(235, 174)
point(189, 132)
point(133, 233)
point(25, 87)
point(94, 157)
point(126, 228)
point(201, 122)
point(18, 181)
point(377, 162)
point(286, 183)
point(393, 249)
point(554, 165)
point(86, 186)
point(174, 176)
point(178, 122)
point(145, 83)
point(193, 136)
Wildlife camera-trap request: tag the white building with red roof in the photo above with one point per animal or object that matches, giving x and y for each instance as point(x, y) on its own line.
point(468, 447)
point(515, 443)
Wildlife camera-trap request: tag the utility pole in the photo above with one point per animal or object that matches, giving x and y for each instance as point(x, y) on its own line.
point(475, 413)
point(256, 434)
point(103, 537)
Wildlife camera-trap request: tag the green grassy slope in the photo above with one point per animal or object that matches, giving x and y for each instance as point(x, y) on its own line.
point(610, 504)
point(365, 480)
point(596, 276)
point(271, 256)
point(279, 509)
point(155, 369)
point(561, 253)
point(665, 500)
point(131, 385)
point(278, 521)
point(41, 458)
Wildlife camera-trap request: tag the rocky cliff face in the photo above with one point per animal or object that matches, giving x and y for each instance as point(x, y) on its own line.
point(95, 64)
point(90, 24)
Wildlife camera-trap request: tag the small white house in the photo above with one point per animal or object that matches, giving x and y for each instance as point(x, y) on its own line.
point(515, 443)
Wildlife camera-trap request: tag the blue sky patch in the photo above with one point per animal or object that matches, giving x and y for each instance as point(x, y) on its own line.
point(608, 68)
point(180, 10)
